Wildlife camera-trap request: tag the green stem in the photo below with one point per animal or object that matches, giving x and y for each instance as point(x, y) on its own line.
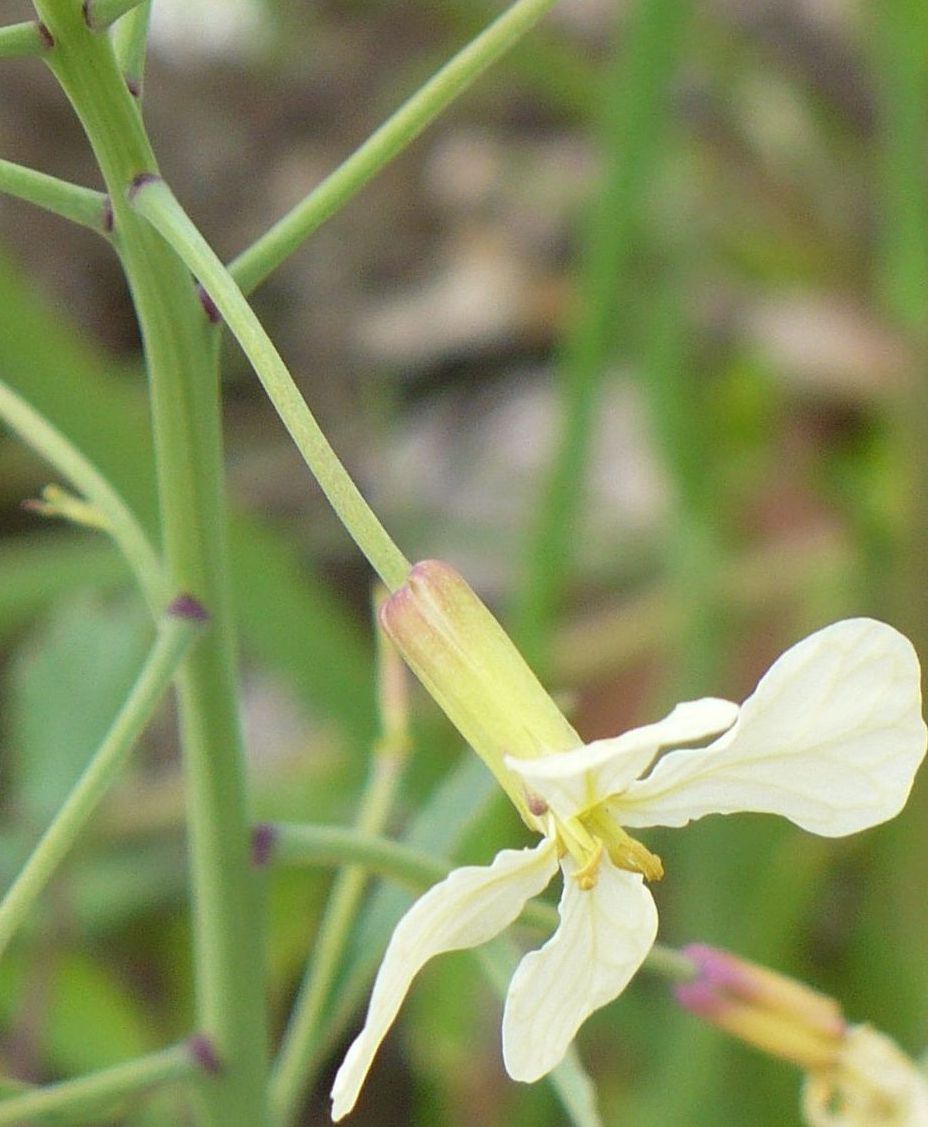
point(294, 1069)
point(99, 14)
point(335, 845)
point(130, 42)
point(82, 1097)
point(24, 39)
point(71, 201)
point(180, 356)
point(635, 97)
point(37, 432)
point(304, 844)
point(262, 257)
point(154, 200)
point(170, 647)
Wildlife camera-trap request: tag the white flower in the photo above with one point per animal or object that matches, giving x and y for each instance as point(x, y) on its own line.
point(831, 739)
point(872, 1084)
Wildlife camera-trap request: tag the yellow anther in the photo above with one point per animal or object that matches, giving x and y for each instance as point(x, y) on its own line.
point(632, 856)
point(624, 851)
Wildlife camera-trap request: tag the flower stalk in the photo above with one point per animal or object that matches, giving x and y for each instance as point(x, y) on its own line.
point(181, 363)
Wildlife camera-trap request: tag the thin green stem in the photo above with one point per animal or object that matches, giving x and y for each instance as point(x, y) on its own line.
point(38, 433)
point(81, 1097)
point(553, 69)
point(153, 199)
point(71, 201)
point(99, 14)
point(181, 361)
point(130, 42)
point(635, 98)
point(305, 844)
point(297, 1060)
point(23, 39)
point(252, 266)
point(171, 645)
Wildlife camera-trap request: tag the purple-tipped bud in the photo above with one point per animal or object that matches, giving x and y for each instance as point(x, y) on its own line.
point(768, 1010)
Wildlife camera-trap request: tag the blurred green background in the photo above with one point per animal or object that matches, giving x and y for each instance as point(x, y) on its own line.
point(635, 336)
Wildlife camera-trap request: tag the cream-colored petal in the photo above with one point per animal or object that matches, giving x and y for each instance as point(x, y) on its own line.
point(831, 739)
point(466, 909)
point(571, 782)
point(602, 940)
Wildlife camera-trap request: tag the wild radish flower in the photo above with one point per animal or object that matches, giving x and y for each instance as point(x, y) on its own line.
point(872, 1084)
point(855, 1076)
point(831, 738)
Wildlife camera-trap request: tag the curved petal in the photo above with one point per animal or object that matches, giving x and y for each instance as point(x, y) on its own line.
point(467, 908)
point(602, 940)
point(574, 781)
point(831, 739)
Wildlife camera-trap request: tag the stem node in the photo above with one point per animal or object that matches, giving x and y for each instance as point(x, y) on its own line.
point(139, 182)
point(263, 837)
point(203, 1052)
point(210, 307)
point(186, 606)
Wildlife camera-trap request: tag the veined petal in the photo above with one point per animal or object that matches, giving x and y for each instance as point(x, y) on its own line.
point(831, 739)
point(602, 940)
point(574, 781)
point(467, 908)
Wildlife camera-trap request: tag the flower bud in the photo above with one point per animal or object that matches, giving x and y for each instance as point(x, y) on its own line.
point(768, 1010)
point(855, 1076)
point(469, 665)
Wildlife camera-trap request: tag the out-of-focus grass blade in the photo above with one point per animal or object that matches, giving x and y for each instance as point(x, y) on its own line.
point(67, 684)
point(635, 98)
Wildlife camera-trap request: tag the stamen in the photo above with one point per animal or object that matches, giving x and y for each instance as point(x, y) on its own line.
point(632, 856)
point(587, 876)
